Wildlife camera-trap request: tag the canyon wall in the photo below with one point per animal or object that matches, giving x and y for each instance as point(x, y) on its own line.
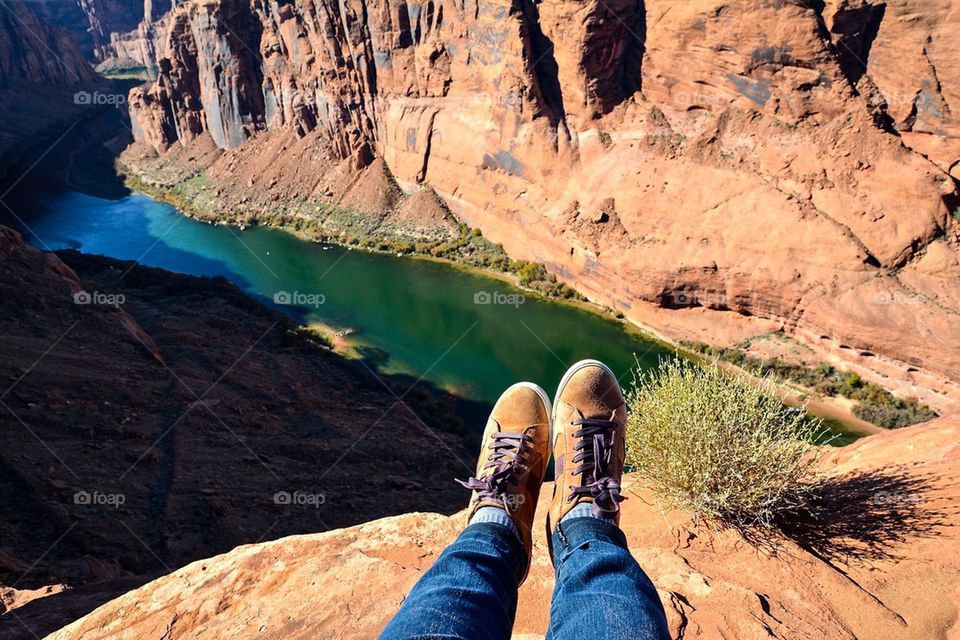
point(110, 20)
point(70, 15)
point(112, 401)
point(34, 50)
point(117, 34)
point(713, 170)
point(911, 71)
point(136, 48)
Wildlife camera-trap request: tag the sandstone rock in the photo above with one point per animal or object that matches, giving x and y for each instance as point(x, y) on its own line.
point(910, 60)
point(422, 212)
point(69, 15)
point(15, 598)
point(113, 21)
point(137, 48)
point(757, 153)
point(34, 50)
point(881, 563)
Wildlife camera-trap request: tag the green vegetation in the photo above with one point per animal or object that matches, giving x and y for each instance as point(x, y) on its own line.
point(874, 403)
point(534, 276)
point(321, 221)
point(170, 195)
point(720, 445)
point(112, 72)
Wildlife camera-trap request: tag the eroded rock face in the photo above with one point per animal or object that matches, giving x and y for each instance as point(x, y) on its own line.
point(69, 15)
point(882, 563)
point(31, 49)
point(138, 48)
point(753, 159)
point(211, 84)
point(910, 68)
point(109, 17)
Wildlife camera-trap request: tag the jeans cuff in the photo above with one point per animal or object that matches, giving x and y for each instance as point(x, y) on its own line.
point(496, 516)
point(503, 539)
point(572, 533)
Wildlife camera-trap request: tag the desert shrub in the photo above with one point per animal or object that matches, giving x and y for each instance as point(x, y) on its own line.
point(719, 444)
point(528, 272)
point(896, 413)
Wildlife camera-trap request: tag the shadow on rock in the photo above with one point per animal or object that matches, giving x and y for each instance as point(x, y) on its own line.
point(43, 616)
point(867, 517)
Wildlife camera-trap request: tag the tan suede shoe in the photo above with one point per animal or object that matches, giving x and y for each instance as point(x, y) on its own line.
point(513, 458)
point(589, 422)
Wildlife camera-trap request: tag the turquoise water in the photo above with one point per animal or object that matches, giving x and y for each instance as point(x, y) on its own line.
point(463, 332)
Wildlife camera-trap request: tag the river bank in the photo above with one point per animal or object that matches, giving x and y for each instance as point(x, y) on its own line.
point(458, 329)
point(473, 255)
point(423, 230)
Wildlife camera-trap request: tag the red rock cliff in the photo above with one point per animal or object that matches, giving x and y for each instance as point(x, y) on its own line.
point(756, 164)
point(109, 19)
point(33, 50)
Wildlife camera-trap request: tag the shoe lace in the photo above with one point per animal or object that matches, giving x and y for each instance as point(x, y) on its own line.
point(507, 462)
point(594, 448)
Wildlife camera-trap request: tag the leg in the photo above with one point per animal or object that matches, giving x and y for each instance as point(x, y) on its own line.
point(601, 591)
point(470, 592)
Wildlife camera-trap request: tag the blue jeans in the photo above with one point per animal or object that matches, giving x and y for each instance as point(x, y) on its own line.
point(471, 590)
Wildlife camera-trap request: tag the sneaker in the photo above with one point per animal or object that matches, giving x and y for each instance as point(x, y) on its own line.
point(589, 423)
point(513, 458)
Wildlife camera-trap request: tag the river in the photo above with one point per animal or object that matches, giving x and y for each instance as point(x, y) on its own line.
point(464, 332)
point(459, 330)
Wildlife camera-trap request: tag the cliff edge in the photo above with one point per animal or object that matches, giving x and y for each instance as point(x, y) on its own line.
point(881, 562)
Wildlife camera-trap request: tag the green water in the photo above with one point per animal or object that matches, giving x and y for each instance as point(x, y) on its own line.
point(410, 316)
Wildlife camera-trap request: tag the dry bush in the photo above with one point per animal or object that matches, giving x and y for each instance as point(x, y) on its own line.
point(720, 445)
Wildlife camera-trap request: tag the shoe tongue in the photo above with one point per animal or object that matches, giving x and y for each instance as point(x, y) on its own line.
point(594, 410)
